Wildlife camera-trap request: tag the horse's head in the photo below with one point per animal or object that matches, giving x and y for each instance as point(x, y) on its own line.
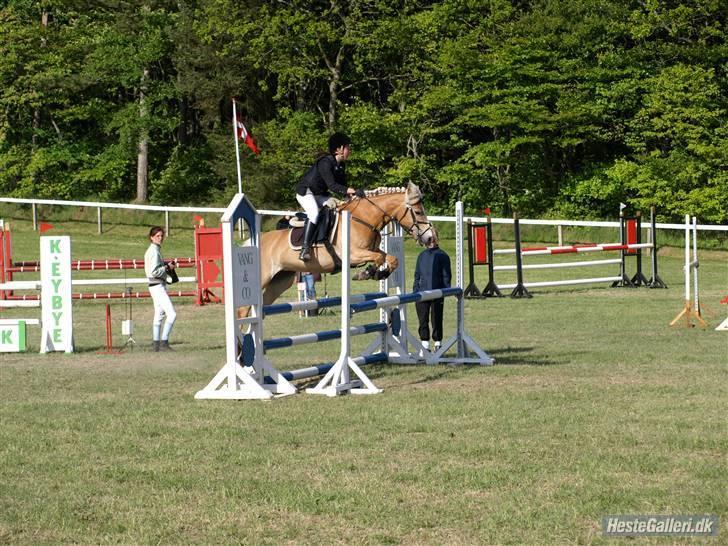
point(414, 219)
point(386, 204)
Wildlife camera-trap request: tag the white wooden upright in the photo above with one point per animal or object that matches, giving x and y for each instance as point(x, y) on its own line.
point(338, 379)
point(238, 379)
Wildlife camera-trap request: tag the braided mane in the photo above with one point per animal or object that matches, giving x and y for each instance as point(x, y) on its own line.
point(383, 190)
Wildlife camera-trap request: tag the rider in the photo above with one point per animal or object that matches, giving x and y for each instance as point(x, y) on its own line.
point(327, 174)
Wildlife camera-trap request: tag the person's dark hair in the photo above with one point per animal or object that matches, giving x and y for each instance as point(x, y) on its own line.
point(337, 140)
point(155, 230)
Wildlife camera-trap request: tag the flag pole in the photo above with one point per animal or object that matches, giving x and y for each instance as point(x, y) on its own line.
point(237, 148)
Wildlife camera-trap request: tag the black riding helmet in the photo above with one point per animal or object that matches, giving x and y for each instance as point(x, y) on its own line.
point(337, 140)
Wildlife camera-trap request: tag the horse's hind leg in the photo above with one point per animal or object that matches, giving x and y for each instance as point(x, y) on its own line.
point(280, 282)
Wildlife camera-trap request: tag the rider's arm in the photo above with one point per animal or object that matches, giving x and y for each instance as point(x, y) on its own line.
point(326, 170)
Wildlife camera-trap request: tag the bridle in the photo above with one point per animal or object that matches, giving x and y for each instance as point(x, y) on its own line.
point(387, 218)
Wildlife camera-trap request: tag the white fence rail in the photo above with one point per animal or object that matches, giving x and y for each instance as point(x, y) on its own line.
point(167, 210)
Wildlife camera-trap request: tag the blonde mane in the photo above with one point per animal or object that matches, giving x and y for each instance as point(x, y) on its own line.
point(383, 190)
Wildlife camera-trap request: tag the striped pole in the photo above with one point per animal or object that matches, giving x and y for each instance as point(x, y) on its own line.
point(322, 369)
point(412, 297)
point(574, 249)
point(281, 308)
point(326, 335)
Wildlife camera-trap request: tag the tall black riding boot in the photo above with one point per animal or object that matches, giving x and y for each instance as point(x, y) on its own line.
point(308, 234)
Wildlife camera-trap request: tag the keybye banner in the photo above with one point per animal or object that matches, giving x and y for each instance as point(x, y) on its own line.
point(55, 296)
point(12, 336)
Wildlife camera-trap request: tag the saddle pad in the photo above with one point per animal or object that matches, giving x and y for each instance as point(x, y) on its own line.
point(295, 235)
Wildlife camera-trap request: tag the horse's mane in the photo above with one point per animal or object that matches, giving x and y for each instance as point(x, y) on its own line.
point(382, 190)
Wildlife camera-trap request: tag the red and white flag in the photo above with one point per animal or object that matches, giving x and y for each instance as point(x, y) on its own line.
point(245, 136)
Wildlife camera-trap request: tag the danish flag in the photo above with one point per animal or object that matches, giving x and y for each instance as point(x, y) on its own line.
point(245, 136)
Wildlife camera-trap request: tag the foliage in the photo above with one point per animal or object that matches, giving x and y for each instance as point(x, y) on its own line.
point(539, 107)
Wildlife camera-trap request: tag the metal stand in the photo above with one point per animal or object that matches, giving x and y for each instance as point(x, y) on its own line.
point(128, 325)
point(520, 291)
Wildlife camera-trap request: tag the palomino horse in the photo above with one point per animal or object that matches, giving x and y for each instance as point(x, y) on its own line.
point(280, 263)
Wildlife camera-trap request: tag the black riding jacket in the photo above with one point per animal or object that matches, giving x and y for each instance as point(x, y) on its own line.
point(324, 176)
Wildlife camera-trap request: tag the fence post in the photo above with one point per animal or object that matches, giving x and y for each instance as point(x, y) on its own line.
point(166, 223)
point(561, 234)
point(35, 217)
point(99, 220)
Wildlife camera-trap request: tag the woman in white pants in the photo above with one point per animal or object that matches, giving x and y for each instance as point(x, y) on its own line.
point(156, 271)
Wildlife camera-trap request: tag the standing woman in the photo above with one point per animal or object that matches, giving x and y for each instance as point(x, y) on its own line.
point(433, 271)
point(327, 174)
point(157, 271)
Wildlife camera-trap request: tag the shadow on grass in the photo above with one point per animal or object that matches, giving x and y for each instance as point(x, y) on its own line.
point(509, 356)
point(512, 356)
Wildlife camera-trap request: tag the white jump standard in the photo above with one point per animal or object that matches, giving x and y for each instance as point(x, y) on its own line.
point(242, 288)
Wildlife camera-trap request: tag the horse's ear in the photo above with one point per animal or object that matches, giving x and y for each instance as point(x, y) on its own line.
point(413, 193)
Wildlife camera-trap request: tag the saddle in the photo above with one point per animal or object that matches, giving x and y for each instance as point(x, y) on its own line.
point(325, 228)
point(325, 225)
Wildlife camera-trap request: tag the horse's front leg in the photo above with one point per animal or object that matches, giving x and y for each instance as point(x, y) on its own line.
point(382, 264)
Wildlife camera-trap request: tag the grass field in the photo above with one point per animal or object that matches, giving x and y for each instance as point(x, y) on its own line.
point(595, 406)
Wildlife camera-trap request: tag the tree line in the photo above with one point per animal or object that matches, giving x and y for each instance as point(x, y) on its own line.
point(548, 107)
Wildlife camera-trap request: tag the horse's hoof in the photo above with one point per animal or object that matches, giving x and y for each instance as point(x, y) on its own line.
point(367, 273)
point(382, 274)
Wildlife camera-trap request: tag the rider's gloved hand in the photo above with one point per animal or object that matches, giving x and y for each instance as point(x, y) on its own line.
point(360, 193)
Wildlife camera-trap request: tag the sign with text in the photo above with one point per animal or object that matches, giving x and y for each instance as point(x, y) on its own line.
point(12, 337)
point(55, 295)
point(246, 276)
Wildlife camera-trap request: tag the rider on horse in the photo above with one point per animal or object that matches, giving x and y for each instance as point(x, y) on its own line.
point(327, 174)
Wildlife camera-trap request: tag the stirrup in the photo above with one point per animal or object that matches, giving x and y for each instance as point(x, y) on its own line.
point(305, 254)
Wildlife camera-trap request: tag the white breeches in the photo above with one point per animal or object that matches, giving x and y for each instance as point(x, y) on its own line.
point(311, 204)
point(162, 307)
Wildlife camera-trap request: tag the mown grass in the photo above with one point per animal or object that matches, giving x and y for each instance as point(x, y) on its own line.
point(595, 406)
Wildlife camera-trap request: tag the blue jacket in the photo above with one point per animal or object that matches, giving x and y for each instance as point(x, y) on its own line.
point(432, 271)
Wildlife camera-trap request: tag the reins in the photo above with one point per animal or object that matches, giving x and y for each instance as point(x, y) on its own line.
point(387, 218)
